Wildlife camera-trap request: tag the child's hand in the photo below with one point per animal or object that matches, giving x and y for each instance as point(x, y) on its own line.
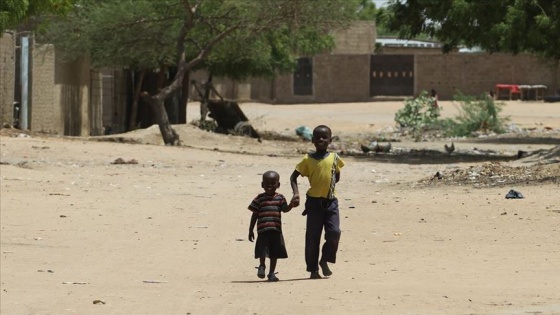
point(295, 201)
point(251, 236)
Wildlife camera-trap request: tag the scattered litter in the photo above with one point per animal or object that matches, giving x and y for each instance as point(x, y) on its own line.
point(98, 302)
point(121, 161)
point(304, 132)
point(154, 281)
point(512, 194)
point(74, 282)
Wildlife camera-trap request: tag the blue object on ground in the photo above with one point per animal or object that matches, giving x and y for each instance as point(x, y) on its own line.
point(304, 132)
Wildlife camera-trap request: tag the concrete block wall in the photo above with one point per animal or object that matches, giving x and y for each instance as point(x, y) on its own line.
point(341, 78)
point(7, 76)
point(476, 74)
point(358, 39)
point(336, 78)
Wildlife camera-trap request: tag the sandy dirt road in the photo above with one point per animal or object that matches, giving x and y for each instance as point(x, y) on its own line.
point(168, 235)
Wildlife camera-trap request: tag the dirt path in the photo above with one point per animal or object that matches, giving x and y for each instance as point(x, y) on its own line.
point(168, 235)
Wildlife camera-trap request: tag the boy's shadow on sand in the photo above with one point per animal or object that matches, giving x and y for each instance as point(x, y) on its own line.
point(282, 280)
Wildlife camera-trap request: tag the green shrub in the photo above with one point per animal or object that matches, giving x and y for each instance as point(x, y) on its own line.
point(480, 114)
point(419, 114)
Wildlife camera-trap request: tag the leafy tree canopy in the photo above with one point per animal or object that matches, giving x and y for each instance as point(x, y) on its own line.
point(498, 25)
point(265, 34)
point(14, 12)
point(366, 10)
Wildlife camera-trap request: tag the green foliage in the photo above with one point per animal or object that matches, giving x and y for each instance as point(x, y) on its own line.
point(14, 12)
point(366, 10)
point(418, 114)
point(475, 115)
point(499, 25)
point(266, 37)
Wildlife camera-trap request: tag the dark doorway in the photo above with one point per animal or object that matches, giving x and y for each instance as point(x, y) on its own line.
point(391, 75)
point(303, 77)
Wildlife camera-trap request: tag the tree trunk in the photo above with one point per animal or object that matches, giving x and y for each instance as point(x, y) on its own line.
point(184, 99)
point(555, 78)
point(205, 98)
point(170, 137)
point(134, 109)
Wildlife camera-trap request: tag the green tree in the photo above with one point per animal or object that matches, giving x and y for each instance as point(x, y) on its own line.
point(511, 26)
point(14, 12)
point(227, 37)
point(366, 10)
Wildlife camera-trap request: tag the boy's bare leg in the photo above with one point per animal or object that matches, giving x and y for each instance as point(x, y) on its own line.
point(261, 268)
point(271, 274)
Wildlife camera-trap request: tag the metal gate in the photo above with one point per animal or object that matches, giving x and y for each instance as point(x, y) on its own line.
point(391, 75)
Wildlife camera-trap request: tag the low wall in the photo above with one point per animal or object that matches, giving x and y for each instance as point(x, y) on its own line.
point(476, 74)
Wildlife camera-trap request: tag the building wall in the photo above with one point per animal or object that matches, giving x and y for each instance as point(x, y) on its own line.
point(476, 74)
point(340, 78)
point(336, 78)
point(59, 93)
point(46, 113)
point(7, 76)
point(358, 39)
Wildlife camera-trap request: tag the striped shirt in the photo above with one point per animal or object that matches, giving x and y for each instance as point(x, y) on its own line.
point(269, 211)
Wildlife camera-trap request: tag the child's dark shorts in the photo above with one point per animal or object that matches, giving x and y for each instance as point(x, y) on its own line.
point(270, 244)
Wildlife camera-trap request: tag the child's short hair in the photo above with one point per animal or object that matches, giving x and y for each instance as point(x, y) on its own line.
point(322, 127)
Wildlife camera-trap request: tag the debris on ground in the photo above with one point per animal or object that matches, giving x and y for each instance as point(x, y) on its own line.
point(496, 174)
point(122, 161)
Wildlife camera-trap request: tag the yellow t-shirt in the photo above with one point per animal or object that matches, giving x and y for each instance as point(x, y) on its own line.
point(319, 173)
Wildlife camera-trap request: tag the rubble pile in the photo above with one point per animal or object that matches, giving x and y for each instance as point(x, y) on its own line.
point(497, 174)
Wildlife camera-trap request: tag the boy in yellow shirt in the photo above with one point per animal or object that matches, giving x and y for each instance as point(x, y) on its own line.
point(322, 168)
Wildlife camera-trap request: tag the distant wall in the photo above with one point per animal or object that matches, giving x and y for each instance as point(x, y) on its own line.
point(59, 93)
point(336, 78)
point(475, 74)
point(46, 112)
point(358, 39)
point(7, 77)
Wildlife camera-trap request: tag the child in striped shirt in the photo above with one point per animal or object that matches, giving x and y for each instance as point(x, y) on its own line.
point(267, 211)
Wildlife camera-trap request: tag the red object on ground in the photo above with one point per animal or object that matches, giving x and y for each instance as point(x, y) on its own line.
point(511, 88)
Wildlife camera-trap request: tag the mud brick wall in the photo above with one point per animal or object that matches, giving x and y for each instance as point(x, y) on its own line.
point(45, 110)
point(476, 74)
point(7, 77)
point(59, 93)
point(336, 78)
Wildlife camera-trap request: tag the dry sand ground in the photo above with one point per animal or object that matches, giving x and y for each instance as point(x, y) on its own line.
point(169, 235)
